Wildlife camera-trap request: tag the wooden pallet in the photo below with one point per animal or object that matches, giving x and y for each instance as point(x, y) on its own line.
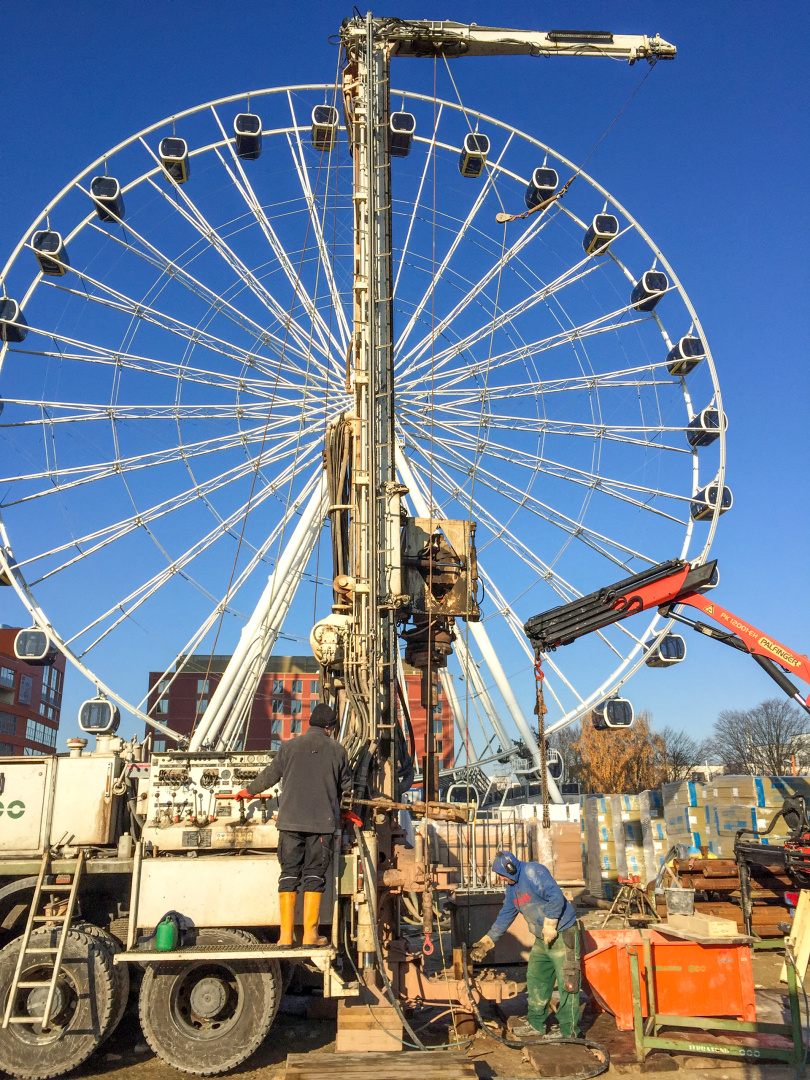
point(439, 1065)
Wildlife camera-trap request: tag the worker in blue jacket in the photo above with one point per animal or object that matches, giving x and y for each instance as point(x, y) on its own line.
point(554, 959)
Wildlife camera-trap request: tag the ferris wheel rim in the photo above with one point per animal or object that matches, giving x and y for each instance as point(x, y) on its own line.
point(717, 399)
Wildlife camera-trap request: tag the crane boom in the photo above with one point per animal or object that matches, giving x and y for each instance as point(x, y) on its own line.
point(427, 37)
point(667, 586)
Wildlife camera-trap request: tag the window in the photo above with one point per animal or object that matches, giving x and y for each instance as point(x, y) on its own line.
point(437, 709)
point(202, 686)
point(438, 746)
point(36, 732)
point(295, 708)
point(314, 686)
point(313, 703)
point(162, 707)
point(29, 751)
point(202, 706)
point(278, 686)
point(6, 677)
point(48, 711)
point(158, 746)
point(275, 727)
point(24, 693)
point(6, 749)
point(278, 705)
point(297, 686)
point(275, 744)
point(8, 723)
point(438, 727)
point(295, 727)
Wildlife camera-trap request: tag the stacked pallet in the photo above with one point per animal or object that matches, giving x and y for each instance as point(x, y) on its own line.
point(653, 832)
point(627, 836)
point(747, 802)
point(602, 870)
point(684, 813)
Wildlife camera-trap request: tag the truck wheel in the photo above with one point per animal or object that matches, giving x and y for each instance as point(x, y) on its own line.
point(208, 1016)
point(81, 1011)
point(111, 945)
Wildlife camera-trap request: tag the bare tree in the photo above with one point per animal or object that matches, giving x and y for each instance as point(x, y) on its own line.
point(679, 754)
point(758, 740)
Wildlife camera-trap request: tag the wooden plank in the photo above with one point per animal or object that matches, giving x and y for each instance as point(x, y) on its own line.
point(422, 1065)
point(709, 926)
point(701, 939)
point(799, 937)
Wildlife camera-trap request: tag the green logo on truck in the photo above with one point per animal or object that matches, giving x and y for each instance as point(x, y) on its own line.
point(14, 809)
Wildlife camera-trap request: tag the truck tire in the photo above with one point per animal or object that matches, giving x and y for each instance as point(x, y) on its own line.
point(120, 972)
point(208, 1016)
point(83, 1006)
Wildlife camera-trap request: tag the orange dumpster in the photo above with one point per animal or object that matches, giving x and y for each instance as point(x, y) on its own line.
point(690, 979)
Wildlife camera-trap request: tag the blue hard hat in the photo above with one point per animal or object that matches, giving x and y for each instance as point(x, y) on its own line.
point(506, 865)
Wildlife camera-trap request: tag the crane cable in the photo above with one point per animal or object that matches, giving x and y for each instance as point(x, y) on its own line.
point(504, 218)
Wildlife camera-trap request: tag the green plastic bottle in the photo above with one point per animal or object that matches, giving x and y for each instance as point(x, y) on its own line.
point(167, 936)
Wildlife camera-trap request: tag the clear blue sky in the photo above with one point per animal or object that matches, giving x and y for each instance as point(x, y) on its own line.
point(711, 157)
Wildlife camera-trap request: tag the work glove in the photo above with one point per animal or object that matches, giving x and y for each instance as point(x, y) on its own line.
point(549, 933)
point(481, 948)
point(243, 794)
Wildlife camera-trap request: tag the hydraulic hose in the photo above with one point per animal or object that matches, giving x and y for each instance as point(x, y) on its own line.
point(518, 1044)
point(368, 869)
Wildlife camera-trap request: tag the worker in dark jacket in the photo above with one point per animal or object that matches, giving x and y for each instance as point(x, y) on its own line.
point(532, 891)
point(315, 773)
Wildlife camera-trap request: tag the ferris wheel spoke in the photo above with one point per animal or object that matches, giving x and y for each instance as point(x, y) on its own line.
point(303, 178)
point(536, 226)
point(149, 588)
point(521, 353)
point(439, 273)
point(54, 412)
point(466, 447)
point(431, 148)
point(245, 189)
point(497, 322)
point(463, 421)
point(123, 360)
point(104, 537)
point(192, 335)
point(225, 604)
point(218, 303)
point(91, 473)
point(499, 486)
point(196, 219)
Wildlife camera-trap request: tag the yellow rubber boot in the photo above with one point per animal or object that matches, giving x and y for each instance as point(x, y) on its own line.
point(312, 911)
point(286, 902)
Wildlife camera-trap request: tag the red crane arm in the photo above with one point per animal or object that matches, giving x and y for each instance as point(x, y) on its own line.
point(667, 586)
point(755, 641)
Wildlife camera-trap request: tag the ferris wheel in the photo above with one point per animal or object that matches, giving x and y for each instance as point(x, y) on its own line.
point(175, 328)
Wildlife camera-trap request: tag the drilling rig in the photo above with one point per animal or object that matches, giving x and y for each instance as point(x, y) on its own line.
point(116, 854)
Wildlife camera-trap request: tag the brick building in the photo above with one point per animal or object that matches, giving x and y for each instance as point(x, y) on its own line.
point(30, 701)
point(287, 693)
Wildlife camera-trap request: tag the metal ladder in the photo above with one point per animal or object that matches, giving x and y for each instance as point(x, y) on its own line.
point(57, 950)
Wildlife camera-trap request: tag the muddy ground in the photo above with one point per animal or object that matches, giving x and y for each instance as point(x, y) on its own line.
point(306, 1023)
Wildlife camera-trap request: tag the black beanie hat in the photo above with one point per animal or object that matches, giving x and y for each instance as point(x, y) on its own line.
point(322, 716)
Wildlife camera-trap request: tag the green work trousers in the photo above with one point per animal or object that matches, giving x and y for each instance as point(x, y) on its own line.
point(558, 964)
